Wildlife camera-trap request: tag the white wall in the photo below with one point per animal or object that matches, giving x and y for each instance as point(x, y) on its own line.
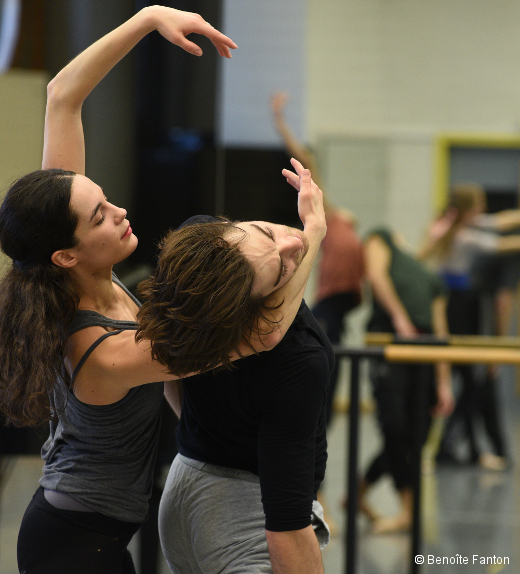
point(452, 63)
point(345, 80)
point(448, 64)
point(270, 57)
point(406, 70)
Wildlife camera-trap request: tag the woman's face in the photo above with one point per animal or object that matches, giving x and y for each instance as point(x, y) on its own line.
point(103, 232)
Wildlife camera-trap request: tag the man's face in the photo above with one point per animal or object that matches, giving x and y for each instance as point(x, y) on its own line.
point(275, 251)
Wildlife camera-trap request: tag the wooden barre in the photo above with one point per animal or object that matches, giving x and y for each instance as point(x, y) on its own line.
point(458, 340)
point(451, 354)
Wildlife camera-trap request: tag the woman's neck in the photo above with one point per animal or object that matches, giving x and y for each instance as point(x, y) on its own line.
point(96, 290)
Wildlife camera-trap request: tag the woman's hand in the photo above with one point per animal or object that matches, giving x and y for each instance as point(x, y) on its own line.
point(440, 227)
point(278, 102)
point(445, 400)
point(175, 25)
point(64, 144)
point(403, 326)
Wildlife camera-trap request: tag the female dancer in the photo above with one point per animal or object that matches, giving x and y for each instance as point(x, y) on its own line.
point(68, 351)
point(456, 240)
point(407, 300)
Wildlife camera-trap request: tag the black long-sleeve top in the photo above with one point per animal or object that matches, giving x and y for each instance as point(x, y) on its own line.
point(267, 416)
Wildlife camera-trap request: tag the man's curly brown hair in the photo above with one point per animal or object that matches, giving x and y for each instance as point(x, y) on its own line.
point(199, 304)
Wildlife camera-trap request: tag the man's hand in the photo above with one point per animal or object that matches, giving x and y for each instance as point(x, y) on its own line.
point(294, 552)
point(310, 199)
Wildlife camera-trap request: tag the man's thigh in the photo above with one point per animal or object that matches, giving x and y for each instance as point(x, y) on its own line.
point(211, 523)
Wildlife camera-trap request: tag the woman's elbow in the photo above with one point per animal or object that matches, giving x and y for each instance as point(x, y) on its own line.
point(60, 96)
point(54, 90)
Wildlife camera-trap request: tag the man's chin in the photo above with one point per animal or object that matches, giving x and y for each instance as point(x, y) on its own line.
point(305, 249)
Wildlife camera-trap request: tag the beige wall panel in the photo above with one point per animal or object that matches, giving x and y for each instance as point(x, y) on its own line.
point(22, 115)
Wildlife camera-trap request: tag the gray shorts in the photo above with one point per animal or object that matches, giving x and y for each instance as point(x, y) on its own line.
point(211, 519)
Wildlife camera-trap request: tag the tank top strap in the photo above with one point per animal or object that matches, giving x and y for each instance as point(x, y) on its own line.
point(89, 351)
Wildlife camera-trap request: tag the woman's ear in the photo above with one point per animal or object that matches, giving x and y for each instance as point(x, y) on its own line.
point(64, 258)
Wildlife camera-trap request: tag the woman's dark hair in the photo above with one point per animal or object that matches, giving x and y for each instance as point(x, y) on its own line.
point(37, 298)
point(199, 304)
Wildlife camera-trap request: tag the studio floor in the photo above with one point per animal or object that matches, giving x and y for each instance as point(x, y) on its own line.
point(466, 510)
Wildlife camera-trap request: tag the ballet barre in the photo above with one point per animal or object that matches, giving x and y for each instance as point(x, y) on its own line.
point(452, 340)
point(421, 350)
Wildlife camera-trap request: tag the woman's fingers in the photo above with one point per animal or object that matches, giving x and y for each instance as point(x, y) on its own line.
point(188, 46)
point(222, 49)
point(218, 38)
point(221, 42)
point(176, 25)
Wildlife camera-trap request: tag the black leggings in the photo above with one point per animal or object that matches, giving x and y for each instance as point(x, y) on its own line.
point(397, 407)
point(55, 541)
point(478, 398)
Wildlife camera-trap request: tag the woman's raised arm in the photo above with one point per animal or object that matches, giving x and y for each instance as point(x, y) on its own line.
point(64, 145)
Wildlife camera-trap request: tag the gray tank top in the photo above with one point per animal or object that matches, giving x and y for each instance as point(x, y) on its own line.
point(103, 455)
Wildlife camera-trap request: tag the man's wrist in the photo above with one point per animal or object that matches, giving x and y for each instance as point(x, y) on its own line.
point(315, 229)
